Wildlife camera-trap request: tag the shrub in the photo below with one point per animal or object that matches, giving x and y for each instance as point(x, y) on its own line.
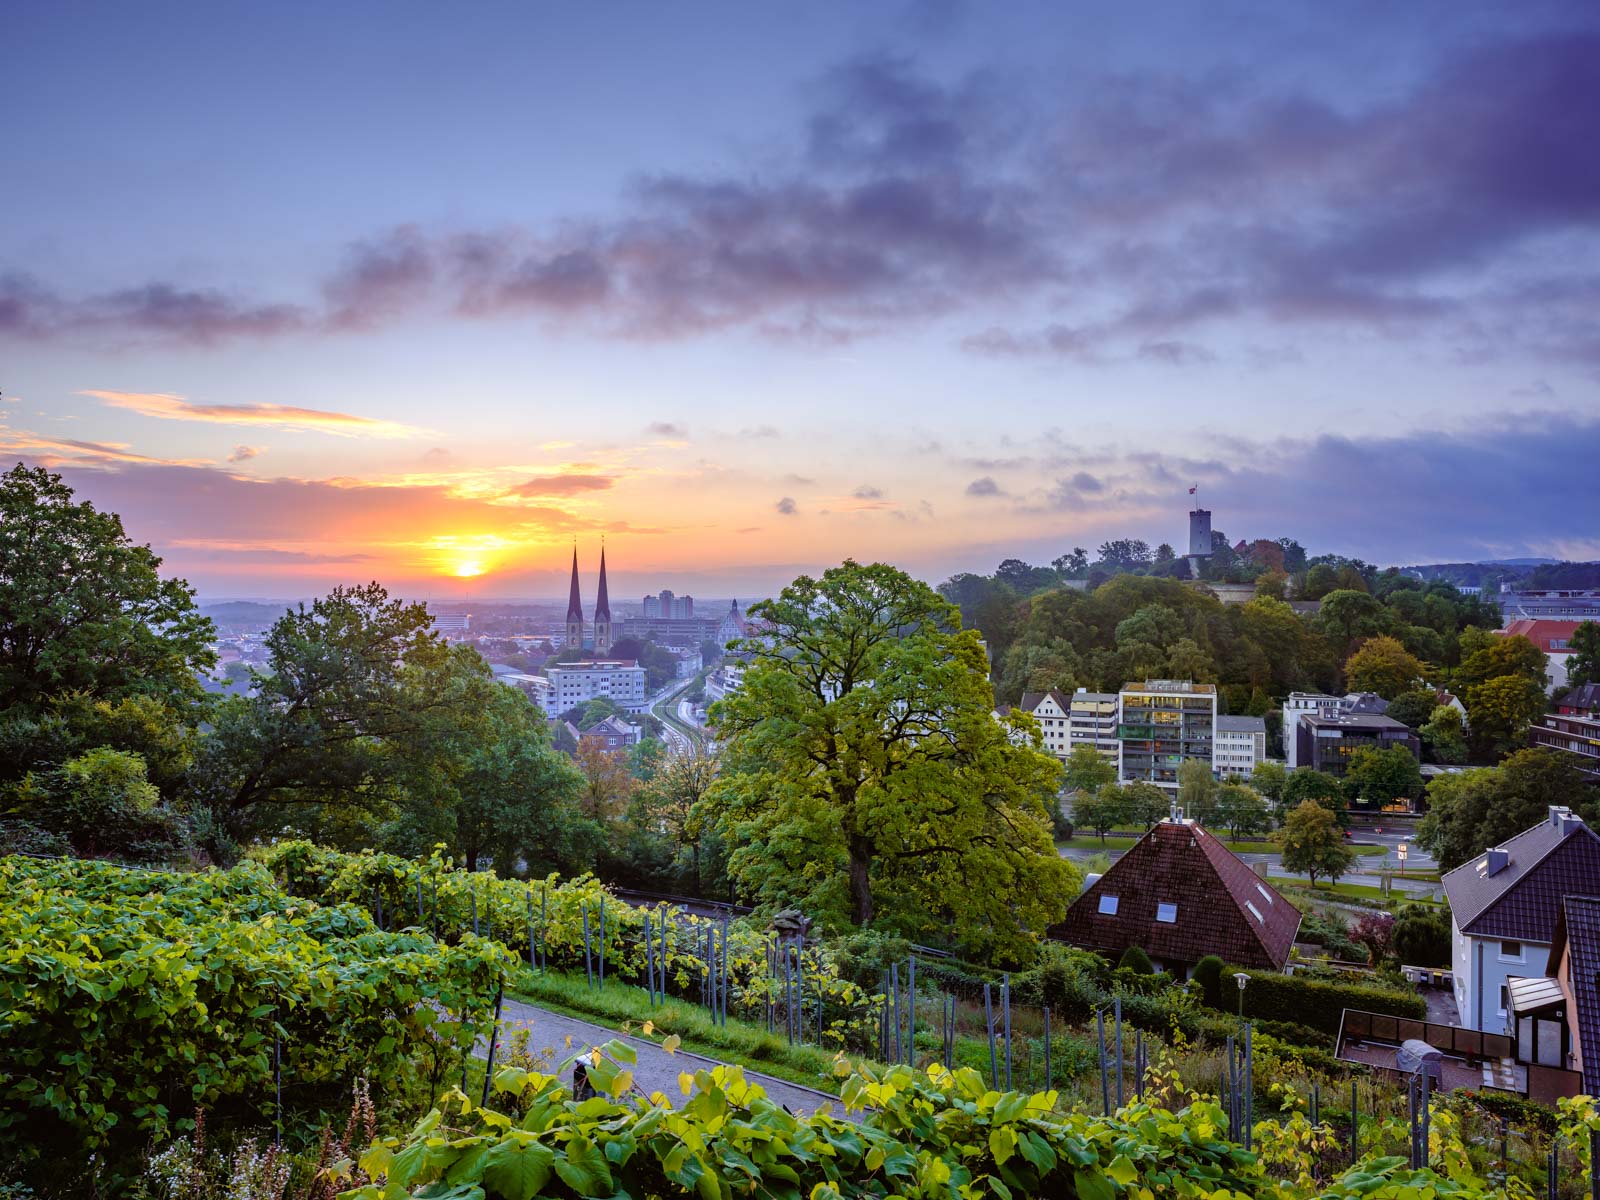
point(1422, 937)
point(1135, 959)
point(1208, 974)
point(944, 1135)
point(135, 997)
point(1316, 1003)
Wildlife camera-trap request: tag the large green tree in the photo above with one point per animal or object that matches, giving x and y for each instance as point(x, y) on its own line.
point(1474, 810)
point(1583, 664)
point(1379, 776)
point(1313, 844)
point(96, 647)
point(866, 777)
point(1384, 666)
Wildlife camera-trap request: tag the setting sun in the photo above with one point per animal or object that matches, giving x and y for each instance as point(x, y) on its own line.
point(469, 568)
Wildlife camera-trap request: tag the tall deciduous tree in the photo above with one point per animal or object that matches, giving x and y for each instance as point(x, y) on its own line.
point(1473, 810)
point(1384, 666)
point(1380, 776)
point(87, 625)
point(866, 777)
point(1241, 810)
point(1313, 844)
point(1583, 664)
point(1101, 810)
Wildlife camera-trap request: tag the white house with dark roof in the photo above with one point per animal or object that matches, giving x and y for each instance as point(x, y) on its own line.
point(1240, 743)
point(1504, 906)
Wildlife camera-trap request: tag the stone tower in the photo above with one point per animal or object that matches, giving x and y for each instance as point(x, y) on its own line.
point(574, 610)
point(602, 610)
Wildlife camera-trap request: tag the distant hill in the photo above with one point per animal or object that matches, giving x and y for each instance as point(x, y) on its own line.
point(1531, 573)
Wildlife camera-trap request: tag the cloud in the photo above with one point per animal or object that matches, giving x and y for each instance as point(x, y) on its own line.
point(167, 407)
point(799, 480)
point(668, 429)
point(786, 506)
point(563, 485)
point(867, 492)
point(62, 452)
point(756, 432)
point(1463, 205)
point(243, 453)
point(986, 486)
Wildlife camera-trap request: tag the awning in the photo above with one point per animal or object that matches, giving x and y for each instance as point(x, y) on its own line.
point(1534, 994)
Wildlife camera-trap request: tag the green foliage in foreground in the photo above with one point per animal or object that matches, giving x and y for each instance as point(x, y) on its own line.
point(130, 999)
point(940, 1134)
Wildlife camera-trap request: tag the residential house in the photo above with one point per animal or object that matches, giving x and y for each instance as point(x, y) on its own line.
point(1504, 905)
point(1181, 894)
point(1554, 639)
point(1574, 727)
point(1575, 965)
point(1050, 709)
point(615, 734)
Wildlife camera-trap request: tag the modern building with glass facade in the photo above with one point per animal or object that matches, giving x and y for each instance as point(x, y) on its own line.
point(1163, 724)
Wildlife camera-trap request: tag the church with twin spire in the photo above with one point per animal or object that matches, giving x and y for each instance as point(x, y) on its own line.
point(603, 636)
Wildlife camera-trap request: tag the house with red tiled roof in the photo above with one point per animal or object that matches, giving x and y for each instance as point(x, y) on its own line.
point(1554, 639)
point(1180, 894)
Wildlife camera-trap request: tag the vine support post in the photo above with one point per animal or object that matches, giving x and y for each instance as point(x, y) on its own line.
point(494, 1038)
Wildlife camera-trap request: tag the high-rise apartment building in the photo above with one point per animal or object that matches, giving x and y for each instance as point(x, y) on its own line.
point(1164, 723)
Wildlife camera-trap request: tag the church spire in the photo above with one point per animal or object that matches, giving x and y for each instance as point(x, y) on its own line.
point(575, 601)
point(574, 609)
point(602, 608)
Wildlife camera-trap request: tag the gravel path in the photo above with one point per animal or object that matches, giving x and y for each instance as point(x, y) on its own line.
point(656, 1070)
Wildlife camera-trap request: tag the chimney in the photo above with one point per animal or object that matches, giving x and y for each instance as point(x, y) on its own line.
point(1564, 819)
point(1494, 861)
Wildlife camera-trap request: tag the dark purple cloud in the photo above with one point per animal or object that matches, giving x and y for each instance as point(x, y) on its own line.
point(1142, 211)
point(563, 485)
point(984, 486)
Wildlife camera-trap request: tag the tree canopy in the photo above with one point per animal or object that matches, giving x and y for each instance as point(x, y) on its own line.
point(866, 778)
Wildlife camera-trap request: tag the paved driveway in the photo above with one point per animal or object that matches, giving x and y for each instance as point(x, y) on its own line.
point(656, 1070)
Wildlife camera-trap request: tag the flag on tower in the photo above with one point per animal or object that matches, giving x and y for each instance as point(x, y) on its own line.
point(1191, 490)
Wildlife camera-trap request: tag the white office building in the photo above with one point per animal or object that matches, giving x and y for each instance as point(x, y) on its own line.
point(1295, 707)
point(1241, 743)
point(620, 679)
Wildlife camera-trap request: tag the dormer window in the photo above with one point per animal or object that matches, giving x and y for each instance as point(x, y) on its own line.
point(1108, 906)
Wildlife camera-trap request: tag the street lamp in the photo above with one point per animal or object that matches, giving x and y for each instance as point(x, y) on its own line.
point(1241, 979)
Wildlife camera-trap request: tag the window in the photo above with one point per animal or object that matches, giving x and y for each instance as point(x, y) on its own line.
point(1265, 895)
point(1510, 952)
point(1505, 999)
point(1108, 906)
point(1167, 912)
point(1255, 912)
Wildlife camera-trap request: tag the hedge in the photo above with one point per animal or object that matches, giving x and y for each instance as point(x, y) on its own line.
point(1310, 1002)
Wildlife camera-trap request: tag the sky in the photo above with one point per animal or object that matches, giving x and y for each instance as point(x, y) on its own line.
point(315, 294)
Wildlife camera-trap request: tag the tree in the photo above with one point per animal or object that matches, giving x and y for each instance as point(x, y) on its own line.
point(333, 716)
point(1124, 554)
point(1445, 736)
point(1413, 707)
point(1384, 666)
point(1270, 779)
point(1136, 960)
point(591, 712)
point(85, 620)
point(1241, 810)
point(1501, 709)
point(1381, 776)
point(607, 783)
point(1197, 789)
point(1491, 656)
point(1583, 664)
point(1313, 845)
point(1375, 931)
point(1421, 937)
point(102, 803)
point(646, 757)
point(1100, 811)
point(1074, 565)
point(1347, 614)
point(1146, 803)
point(668, 826)
point(1087, 770)
point(1304, 784)
point(1473, 810)
point(866, 777)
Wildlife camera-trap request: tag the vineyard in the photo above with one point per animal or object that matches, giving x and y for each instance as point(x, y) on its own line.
point(153, 1016)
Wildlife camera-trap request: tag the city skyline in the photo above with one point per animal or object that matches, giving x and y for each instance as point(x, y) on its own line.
point(316, 297)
